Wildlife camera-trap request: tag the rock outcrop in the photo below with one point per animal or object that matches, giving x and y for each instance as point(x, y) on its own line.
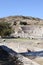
point(25, 27)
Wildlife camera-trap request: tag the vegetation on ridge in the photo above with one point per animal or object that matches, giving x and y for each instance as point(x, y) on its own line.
point(5, 29)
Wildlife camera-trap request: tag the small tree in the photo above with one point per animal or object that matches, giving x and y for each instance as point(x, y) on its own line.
point(5, 29)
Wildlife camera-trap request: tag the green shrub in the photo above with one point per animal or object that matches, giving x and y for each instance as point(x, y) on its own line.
point(23, 23)
point(15, 23)
point(5, 29)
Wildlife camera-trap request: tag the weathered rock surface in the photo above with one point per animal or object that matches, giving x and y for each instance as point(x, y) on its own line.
point(25, 27)
point(24, 60)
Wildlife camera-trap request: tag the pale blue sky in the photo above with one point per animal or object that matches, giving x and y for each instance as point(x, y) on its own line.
point(21, 7)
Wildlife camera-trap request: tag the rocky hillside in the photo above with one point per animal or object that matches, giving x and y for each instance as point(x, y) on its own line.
point(28, 27)
point(28, 20)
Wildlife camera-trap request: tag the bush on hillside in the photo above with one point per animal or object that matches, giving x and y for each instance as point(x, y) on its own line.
point(5, 29)
point(23, 23)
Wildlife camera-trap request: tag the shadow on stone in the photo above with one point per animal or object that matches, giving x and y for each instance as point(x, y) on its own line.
point(6, 57)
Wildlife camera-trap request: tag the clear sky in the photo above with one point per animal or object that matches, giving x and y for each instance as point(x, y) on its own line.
point(21, 7)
